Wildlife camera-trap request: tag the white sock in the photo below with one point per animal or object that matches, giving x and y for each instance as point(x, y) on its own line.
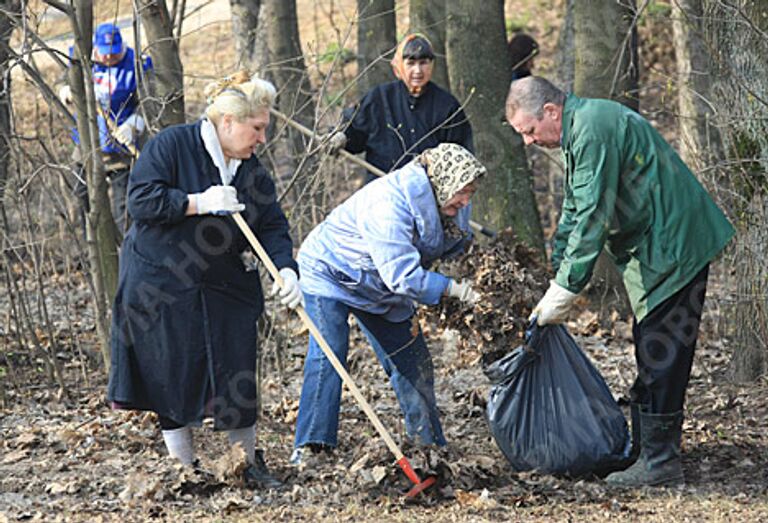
point(247, 438)
point(179, 444)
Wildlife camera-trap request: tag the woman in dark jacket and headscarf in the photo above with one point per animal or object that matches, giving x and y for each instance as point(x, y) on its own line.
point(184, 338)
point(396, 121)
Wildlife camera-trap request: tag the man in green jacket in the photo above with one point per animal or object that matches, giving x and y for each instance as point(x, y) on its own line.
point(626, 190)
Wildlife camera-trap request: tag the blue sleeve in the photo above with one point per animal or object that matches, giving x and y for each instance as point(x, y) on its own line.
point(146, 63)
point(388, 232)
point(153, 195)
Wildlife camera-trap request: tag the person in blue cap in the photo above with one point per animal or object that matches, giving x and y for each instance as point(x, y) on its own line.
point(116, 89)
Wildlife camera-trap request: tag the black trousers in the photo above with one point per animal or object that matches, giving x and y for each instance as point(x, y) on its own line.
point(665, 341)
point(118, 183)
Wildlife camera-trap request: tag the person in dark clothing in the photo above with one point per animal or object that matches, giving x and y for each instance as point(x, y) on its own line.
point(396, 121)
point(184, 334)
point(522, 51)
point(115, 83)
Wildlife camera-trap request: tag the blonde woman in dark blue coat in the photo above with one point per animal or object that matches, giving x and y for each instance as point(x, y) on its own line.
point(184, 338)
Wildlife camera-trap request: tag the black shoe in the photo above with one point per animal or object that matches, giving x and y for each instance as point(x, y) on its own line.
point(257, 475)
point(659, 460)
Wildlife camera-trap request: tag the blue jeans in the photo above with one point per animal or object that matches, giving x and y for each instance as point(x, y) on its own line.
point(403, 354)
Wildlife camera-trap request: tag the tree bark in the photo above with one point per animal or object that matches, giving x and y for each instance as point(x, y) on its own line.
point(102, 234)
point(6, 29)
point(606, 67)
point(606, 51)
point(700, 144)
point(376, 39)
point(478, 65)
point(566, 66)
point(164, 49)
point(428, 18)
point(286, 61)
point(245, 22)
point(278, 56)
point(737, 30)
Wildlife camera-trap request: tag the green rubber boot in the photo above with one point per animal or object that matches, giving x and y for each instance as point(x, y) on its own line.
point(659, 460)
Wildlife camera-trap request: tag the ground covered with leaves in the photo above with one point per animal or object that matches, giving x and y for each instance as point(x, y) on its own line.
point(76, 460)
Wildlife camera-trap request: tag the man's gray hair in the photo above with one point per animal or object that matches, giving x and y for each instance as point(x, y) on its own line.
point(530, 94)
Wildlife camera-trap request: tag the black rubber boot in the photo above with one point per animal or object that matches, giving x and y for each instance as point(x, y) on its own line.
point(257, 475)
point(659, 461)
point(634, 410)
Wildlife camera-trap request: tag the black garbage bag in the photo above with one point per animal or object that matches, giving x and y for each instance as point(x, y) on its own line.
point(550, 409)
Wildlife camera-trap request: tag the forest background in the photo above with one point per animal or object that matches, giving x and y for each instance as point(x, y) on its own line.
point(698, 70)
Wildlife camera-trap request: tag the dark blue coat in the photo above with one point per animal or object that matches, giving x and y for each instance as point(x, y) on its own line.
point(184, 336)
point(391, 126)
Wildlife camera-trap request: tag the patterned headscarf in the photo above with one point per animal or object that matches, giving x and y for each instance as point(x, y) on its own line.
point(450, 167)
point(421, 48)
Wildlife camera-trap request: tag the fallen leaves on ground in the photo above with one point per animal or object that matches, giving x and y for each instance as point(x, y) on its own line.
point(81, 461)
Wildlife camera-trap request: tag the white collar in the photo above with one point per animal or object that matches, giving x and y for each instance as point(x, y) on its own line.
point(227, 170)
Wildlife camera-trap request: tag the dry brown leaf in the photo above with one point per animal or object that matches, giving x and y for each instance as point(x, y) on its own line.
point(464, 498)
point(231, 465)
point(378, 473)
point(139, 486)
point(16, 455)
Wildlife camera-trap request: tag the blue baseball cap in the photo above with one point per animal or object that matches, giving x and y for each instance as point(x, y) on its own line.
point(108, 39)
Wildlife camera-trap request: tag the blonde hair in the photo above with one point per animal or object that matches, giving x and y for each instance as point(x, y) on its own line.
point(240, 95)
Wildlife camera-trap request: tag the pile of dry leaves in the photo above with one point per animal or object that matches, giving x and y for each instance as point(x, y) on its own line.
point(511, 278)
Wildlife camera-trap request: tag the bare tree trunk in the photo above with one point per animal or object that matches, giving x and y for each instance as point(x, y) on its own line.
point(606, 50)
point(164, 49)
point(606, 67)
point(286, 61)
point(478, 65)
point(6, 28)
point(428, 17)
point(376, 38)
point(102, 234)
point(245, 21)
point(700, 144)
point(750, 312)
point(737, 31)
point(281, 60)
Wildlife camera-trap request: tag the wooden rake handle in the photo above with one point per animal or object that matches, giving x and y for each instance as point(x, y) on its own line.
point(345, 377)
point(482, 229)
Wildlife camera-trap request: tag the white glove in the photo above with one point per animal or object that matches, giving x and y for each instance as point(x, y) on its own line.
point(217, 199)
point(336, 142)
point(554, 306)
point(290, 293)
point(130, 129)
point(463, 291)
point(65, 94)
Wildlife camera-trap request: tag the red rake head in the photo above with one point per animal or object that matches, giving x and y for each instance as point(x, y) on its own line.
point(419, 485)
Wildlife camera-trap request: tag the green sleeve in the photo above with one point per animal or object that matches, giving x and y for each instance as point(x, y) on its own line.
point(564, 228)
point(593, 188)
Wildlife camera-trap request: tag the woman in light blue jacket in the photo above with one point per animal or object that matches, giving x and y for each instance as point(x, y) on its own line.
point(370, 258)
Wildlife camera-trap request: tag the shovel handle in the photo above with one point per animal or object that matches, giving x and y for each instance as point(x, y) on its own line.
point(345, 377)
point(482, 229)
